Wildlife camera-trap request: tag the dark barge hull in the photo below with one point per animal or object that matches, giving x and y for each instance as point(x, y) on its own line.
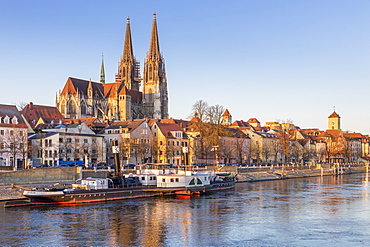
point(82, 196)
point(215, 186)
point(105, 195)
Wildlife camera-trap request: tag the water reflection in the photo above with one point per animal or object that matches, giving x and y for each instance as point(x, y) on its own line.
point(299, 212)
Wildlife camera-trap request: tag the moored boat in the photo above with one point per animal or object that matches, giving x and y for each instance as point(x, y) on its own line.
point(82, 193)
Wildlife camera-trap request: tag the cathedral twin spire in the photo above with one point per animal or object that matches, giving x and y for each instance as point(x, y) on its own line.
point(128, 70)
point(154, 92)
point(154, 43)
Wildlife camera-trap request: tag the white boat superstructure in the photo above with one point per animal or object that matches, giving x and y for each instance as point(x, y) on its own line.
point(162, 176)
point(184, 179)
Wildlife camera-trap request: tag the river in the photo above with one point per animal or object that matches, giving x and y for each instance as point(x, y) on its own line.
point(316, 211)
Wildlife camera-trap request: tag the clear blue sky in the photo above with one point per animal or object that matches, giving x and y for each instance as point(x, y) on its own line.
point(270, 60)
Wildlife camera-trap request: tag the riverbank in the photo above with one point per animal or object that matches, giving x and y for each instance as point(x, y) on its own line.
point(254, 175)
point(289, 173)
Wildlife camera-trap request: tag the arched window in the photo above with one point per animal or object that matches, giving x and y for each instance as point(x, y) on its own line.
point(71, 108)
point(83, 108)
point(62, 108)
point(14, 120)
point(150, 72)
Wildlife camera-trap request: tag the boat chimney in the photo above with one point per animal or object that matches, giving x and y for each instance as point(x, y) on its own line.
point(115, 150)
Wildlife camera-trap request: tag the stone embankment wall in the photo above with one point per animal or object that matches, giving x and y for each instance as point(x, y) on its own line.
point(11, 194)
point(41, 175)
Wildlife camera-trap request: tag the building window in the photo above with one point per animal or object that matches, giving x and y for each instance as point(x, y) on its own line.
point(15, 120)
point(83, 108)
point(71, 108)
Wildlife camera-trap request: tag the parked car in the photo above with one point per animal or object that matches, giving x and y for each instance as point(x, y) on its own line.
point(129, 166)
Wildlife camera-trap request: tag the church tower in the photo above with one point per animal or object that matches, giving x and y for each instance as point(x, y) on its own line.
point(128, 70)
point(102, 71)
point(155, 95)
point(334, 121)
point(226, 118)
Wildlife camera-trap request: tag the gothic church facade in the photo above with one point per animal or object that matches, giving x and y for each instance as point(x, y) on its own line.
point(123, 98)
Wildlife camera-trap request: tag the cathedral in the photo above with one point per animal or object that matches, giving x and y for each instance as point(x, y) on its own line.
point(130, 96)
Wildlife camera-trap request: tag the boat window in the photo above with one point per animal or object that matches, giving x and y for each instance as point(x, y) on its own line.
point(172, 180)
point(163, 180)
point(177, 179)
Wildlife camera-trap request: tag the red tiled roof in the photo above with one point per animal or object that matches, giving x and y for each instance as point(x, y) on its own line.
point(334, 114)
point(168, 127)
point(353, 135)
point(226, 113)
point(87, 121)
point(74, 85)
point(253, 120)
point(240, 123)
point(33, 113)
point(110, 90)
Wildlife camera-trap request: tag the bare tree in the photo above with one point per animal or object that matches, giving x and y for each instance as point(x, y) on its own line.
point(215, 119)
point(200, 111)
point(255, 151)
point(14, 142)
point(266, 152)
point(226, 148)
point(21, 105)
point(241, 150)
